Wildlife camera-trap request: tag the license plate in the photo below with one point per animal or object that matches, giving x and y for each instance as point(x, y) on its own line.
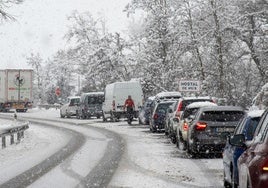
point(224, 129)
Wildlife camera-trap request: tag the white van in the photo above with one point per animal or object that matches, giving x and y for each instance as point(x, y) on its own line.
point(115, 96)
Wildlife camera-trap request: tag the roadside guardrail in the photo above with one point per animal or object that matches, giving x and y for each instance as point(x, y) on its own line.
point(12, 131)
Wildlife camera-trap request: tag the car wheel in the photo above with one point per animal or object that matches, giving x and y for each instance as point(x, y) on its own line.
point(234, 185)
point(61, 115)
point(225, 183)
point(140, 121)
point(173, 138)
point(83, 116)
point(181, 144)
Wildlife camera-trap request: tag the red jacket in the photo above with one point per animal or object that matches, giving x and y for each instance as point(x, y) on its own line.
point(129, 103)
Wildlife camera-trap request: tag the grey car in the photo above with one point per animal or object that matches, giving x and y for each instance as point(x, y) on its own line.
point(208, 130)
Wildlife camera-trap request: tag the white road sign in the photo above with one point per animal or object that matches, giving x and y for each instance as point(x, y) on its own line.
point(189, 85)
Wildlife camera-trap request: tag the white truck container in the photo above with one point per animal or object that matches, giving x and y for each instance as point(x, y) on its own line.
point(115, 96)
point(16, 89)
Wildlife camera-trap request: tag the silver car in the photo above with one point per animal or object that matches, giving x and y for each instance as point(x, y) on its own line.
point(70, 107)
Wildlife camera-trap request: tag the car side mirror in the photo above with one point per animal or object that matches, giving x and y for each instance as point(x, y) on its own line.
point(238, 140)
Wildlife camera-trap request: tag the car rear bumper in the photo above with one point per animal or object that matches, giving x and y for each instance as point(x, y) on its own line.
point(207, 148)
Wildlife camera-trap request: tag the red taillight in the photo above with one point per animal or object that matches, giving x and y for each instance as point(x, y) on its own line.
point(179, 109)
point(155, 116)
point(185, 126)
point(200, 126)
point(113, 105)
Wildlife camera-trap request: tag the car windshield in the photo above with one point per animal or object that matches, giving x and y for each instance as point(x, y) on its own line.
point(221, 116)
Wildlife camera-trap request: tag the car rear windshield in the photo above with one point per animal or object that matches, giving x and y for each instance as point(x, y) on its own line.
point(190, 111)
point(162, 107)
point(221, 116)
point(95, 99)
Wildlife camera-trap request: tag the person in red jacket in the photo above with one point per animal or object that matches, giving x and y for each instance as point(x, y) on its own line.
point(129, 103)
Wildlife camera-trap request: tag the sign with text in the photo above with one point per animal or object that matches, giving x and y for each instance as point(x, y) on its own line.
point(189, 85)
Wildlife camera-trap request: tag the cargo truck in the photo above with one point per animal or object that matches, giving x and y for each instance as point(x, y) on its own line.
point(16, 89)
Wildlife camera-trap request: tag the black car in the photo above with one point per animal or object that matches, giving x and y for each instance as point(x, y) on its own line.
point(208, 130)
point(157, 120)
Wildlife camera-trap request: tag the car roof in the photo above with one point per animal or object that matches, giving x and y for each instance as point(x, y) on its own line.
point(200, 104)
point(74, 97)
point(255, 113)
point(221, 108)
point(94, 93)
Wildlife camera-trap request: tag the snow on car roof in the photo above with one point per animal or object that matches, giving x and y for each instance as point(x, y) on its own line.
point(201, 104)
point(203, 97)
point(168, 94)
point(255, 113)
point(74, 97)
point(221, 108)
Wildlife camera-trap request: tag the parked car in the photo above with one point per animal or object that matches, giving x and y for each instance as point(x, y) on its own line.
point(70, 107)
point(253, 163)
point(169, 117)
point(183, 124)
point(176, 113)
point(207, 131)
point(157, 120)
point(164, 96)
point(144, 112)
point(246, 126)
point(90, 105)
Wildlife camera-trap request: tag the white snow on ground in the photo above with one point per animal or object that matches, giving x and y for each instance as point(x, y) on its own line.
point(150, 159)
point(38, 144)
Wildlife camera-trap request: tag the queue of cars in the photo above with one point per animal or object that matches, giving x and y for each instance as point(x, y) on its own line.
point(204, 127)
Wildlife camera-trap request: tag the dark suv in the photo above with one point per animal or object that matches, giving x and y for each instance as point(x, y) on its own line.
point(90, 105)
point(157, 120)
point(208, 130)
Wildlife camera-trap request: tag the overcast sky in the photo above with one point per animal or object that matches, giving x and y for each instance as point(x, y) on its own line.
point(41, 25)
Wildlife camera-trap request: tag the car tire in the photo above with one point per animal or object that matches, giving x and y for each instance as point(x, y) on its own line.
point(225, 183)
point(181, 144)
point(233, 185)
point(61, 115)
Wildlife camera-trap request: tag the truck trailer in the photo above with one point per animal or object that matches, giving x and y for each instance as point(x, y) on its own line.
point(16, 87)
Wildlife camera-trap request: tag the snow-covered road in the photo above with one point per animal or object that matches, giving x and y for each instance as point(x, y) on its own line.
point(149, 160)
